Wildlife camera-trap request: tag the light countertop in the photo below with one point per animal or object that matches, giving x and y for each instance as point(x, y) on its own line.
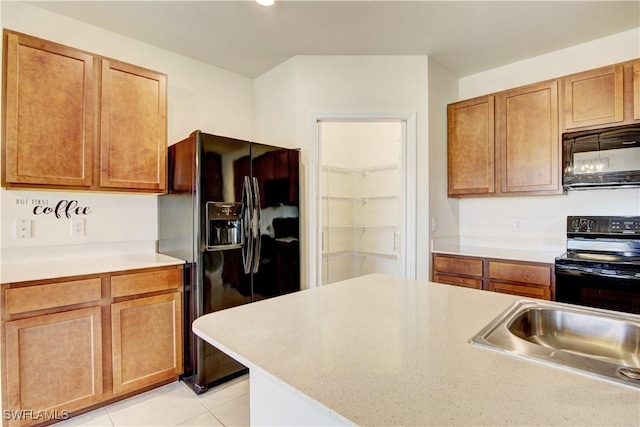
point(382, 350)
point(77, 266)
point(519, 254)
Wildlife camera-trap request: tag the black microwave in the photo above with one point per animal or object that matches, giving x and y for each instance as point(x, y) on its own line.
point(604, 158)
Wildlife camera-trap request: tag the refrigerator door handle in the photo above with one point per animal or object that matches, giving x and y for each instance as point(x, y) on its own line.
point(257, 225)
point(247, 219)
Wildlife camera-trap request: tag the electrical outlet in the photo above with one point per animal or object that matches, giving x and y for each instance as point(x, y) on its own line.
point(517, 224)
point(23, 229)
point(434, 223)
point(77, 226)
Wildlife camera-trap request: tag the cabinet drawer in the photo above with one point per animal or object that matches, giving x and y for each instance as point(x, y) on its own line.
point(40, 297)
point(466, 266)
point(467, 282)
point(521, 290)
point(533, 274)
point(142, 283)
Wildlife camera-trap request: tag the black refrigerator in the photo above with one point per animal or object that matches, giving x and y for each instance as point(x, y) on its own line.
point(232, 213)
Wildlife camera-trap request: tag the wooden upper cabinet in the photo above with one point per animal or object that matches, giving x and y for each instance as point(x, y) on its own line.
point(636, 90)
point(528, 138)
point(49, 98)
point(133, 135)
point(594, 97)
point(509, 143)
point(56, 97)
point(471, 144)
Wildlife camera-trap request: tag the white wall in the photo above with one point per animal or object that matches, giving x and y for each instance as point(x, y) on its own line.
point(607, 50)
point(199, 97)
point(275, 97)
point(340, 85)
point(444, 211)
point(544, 217)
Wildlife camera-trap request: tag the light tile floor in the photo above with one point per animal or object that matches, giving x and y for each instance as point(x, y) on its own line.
point(175, 404)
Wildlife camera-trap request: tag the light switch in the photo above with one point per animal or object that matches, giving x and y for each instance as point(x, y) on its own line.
point(23, 229)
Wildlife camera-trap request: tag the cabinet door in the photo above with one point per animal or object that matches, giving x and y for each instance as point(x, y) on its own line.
point(146, 341)
point(529, 139)
point(636, 90)
point(594, 97)
point(470, 157)
point(133, 132)
point(54, 361)
point(49, 112)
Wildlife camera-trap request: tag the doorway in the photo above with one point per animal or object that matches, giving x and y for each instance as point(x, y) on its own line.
point(365, 197)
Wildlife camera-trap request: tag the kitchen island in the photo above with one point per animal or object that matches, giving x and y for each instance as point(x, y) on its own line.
point(382, 350)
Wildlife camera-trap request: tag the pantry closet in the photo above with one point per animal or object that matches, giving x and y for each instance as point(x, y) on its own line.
point(361, 190)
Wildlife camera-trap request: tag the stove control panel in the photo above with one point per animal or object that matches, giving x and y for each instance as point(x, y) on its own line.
point(623, 225)
point(613, 225)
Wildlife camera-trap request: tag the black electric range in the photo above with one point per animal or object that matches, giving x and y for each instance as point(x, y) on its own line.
point(601, 267)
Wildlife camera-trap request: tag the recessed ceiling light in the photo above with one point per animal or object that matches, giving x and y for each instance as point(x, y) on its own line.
point(265, 2)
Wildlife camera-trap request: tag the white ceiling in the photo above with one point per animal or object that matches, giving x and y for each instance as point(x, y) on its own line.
point(465, 36)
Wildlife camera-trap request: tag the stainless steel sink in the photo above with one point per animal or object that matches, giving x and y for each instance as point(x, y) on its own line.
point(602, 343)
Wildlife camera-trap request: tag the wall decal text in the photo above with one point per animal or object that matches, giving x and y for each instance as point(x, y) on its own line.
point(64, 208)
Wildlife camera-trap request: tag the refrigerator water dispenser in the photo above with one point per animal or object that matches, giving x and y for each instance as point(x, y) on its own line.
point(224, 226)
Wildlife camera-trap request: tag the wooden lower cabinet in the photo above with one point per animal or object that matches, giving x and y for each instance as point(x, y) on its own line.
point(70, 345)
point(460, 271)
point(146, 341)
point(636, 90)
point(526, 279)
point(54, 362)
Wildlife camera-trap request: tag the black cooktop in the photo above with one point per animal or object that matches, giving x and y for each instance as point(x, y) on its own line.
point(601, 262)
